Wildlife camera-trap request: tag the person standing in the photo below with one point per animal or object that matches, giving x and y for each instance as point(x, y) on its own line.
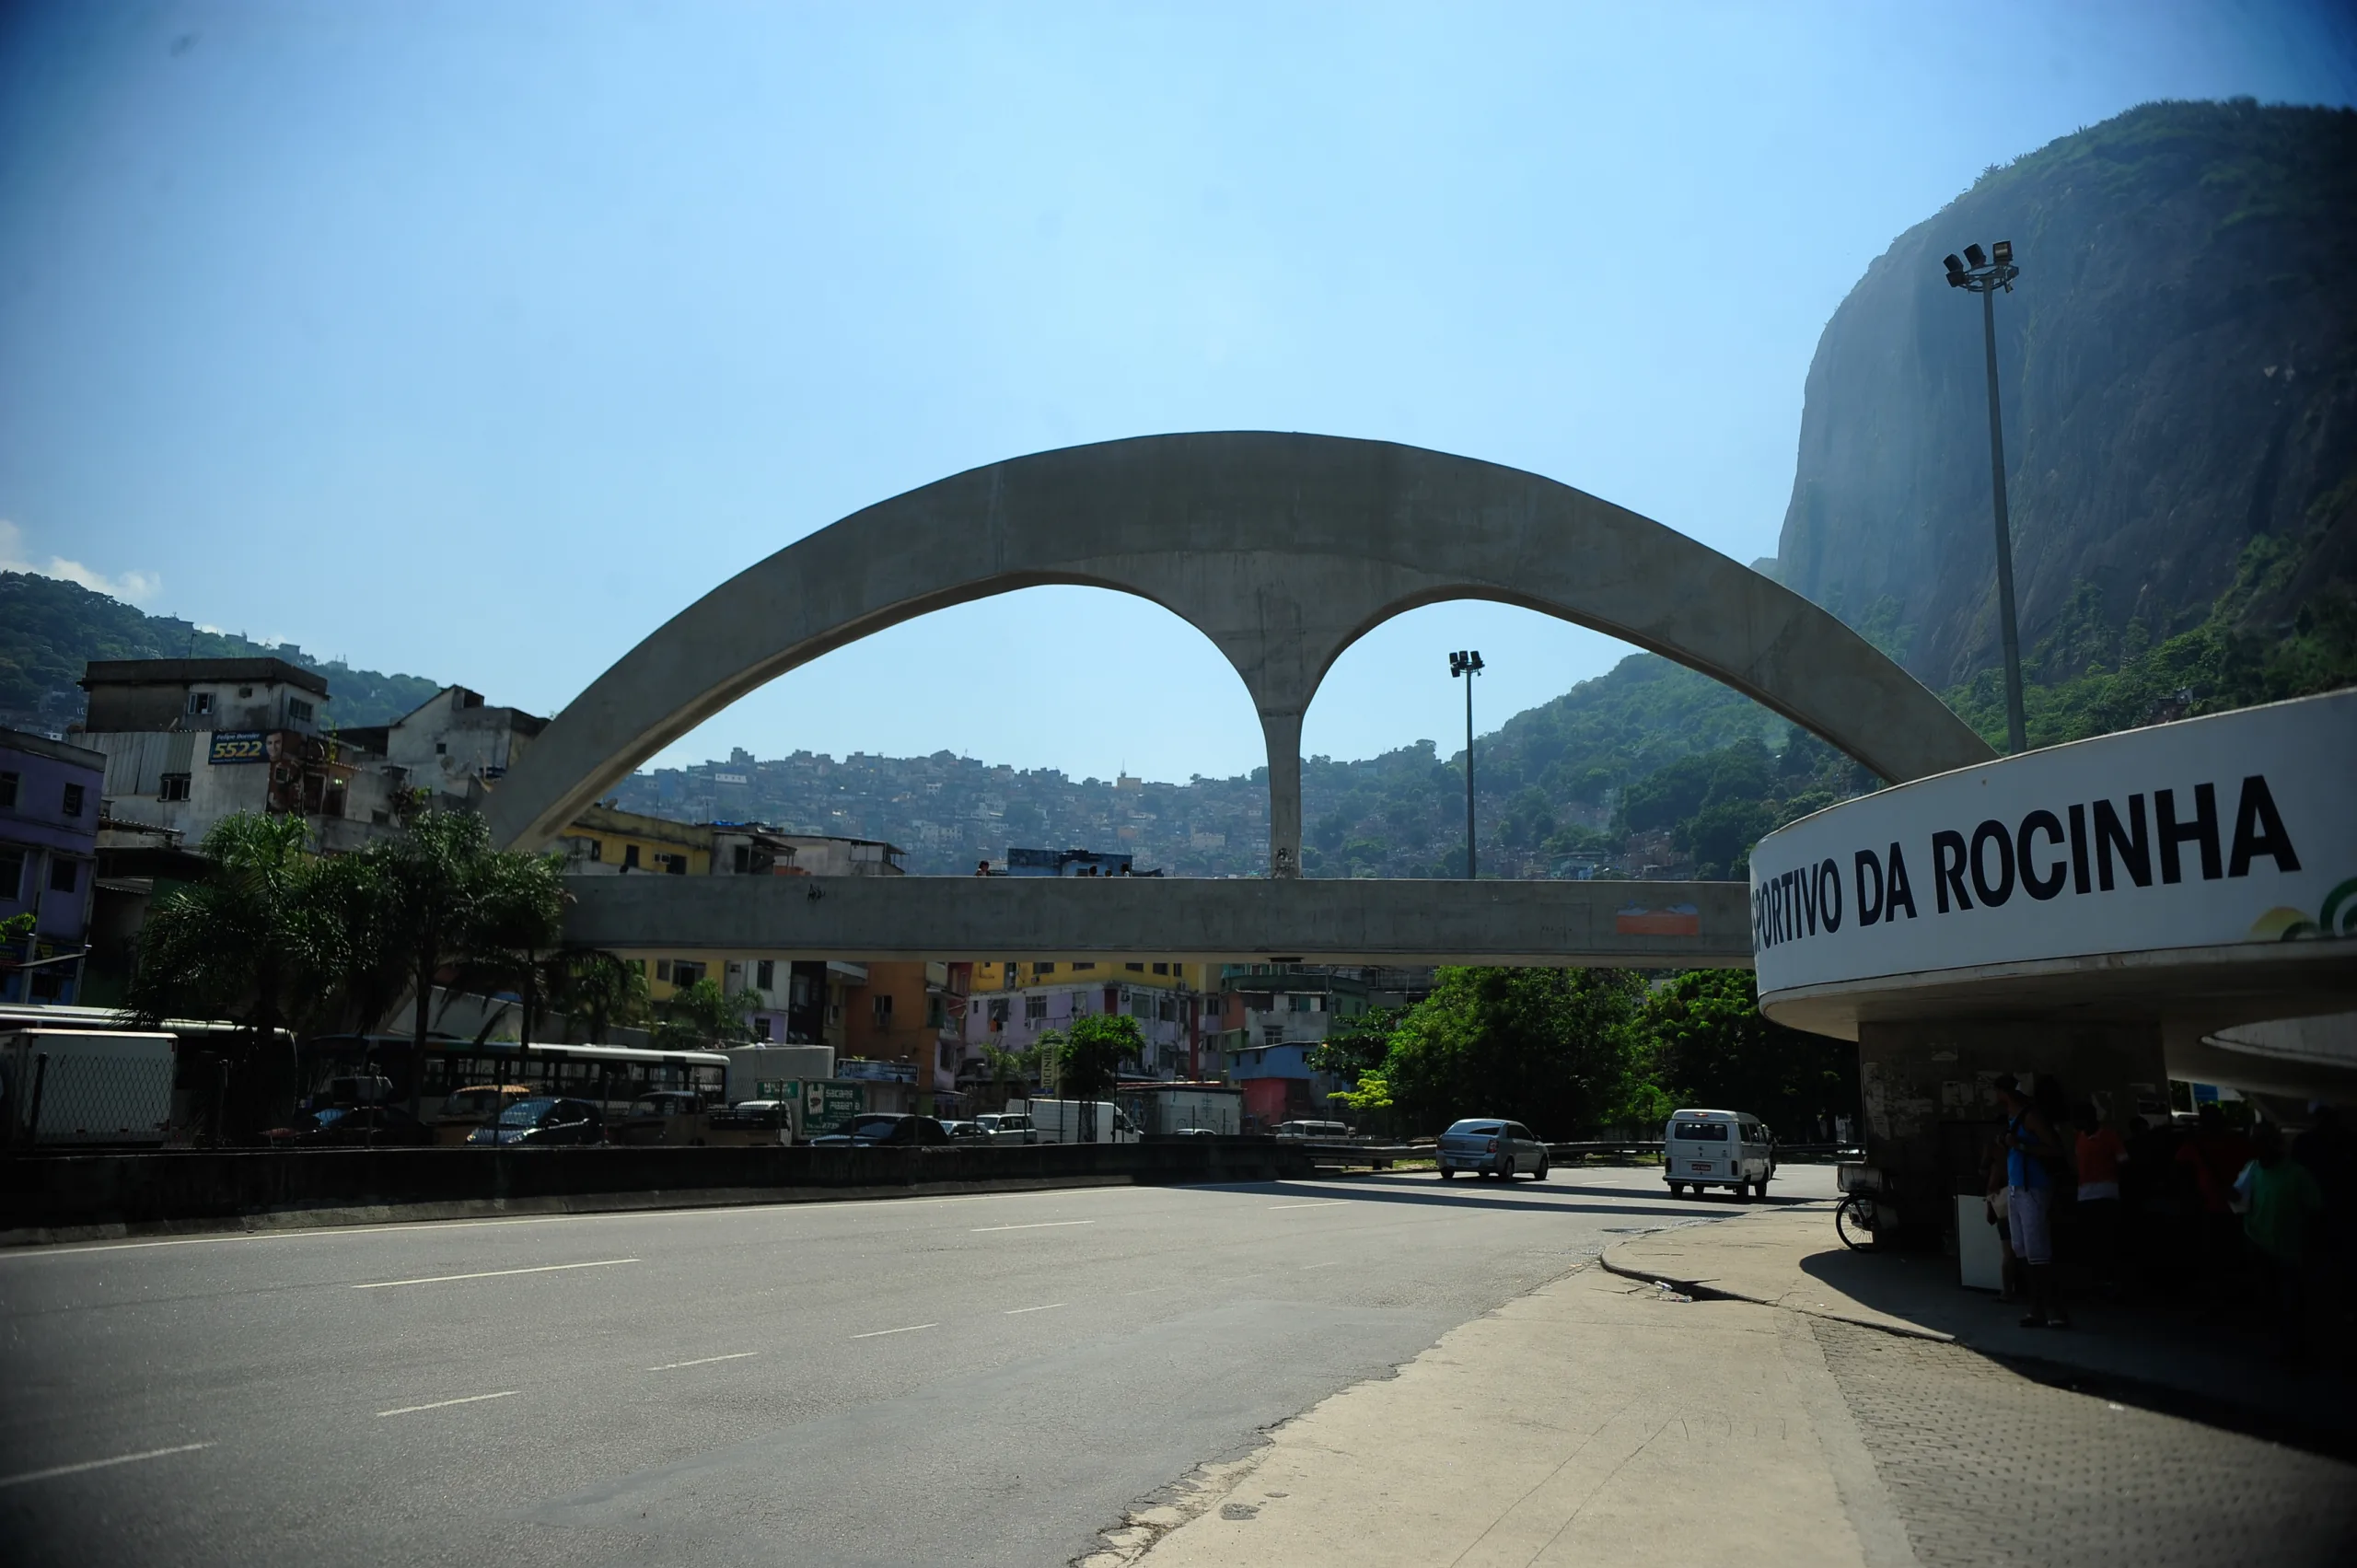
point(2281, 1201)
point(2216, 1155)
point(2100, 1154)
point(2031, 1150)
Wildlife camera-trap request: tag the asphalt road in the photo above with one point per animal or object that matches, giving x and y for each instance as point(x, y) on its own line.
point(990, 1378)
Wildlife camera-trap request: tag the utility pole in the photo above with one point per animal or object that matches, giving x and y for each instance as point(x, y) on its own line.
point(1984, 276)
point(1468, 665)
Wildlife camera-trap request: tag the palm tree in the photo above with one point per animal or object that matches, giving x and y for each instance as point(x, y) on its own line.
point(256, 941)
point(595, 989)
point(703, 1014)
point(449, 895)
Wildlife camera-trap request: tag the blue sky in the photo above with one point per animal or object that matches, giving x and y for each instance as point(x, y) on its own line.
point(477, 340)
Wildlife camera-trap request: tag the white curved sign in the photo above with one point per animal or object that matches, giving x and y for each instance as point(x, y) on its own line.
point(2233, 829)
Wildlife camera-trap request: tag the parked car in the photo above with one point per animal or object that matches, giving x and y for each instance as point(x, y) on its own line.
point(965, 1133)
point(885, 1128)
point(544, 1123)
point(749, 1121)
point(1717, 1148)
point(1008, 1127)
point(1328, 1130)
point(348, 1127)
point(1491, 1146)
point(465, 1110)
point(663, 1116)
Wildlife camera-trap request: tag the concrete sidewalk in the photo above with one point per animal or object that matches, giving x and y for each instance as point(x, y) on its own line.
point(1812, 1409)
point(1579, 1424)
point(1790, 1257)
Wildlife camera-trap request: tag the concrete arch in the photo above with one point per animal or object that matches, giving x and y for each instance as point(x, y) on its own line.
point(1283, 550)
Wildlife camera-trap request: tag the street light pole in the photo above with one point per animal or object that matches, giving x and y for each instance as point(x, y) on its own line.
point(1469, 665)
point(1984, 277)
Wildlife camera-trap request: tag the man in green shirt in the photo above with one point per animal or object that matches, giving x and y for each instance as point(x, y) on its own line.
point(2280, 1201)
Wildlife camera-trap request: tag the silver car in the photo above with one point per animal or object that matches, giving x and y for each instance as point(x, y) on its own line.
point(1491, 1146)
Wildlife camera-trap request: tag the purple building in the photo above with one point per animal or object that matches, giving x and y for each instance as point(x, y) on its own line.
point(49, 848)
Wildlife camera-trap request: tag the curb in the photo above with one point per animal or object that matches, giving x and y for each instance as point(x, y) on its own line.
point(280, 1221)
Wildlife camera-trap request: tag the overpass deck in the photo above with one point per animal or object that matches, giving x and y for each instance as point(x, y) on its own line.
point(1624, 924)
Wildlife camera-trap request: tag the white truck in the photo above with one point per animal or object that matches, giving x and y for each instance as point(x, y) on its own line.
point(1072, 1122)
point(65, 1087)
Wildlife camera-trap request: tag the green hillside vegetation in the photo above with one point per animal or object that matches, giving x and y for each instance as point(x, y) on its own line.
point(50, 629)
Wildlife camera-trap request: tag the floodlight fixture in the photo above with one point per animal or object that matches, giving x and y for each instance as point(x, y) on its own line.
point(1976, 256)
point(2002, 252)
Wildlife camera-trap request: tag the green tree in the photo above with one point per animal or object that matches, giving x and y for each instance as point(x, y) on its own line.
point(450, 898)
point(1703, 1041)
point(1092, 1054)
point(253, 942)
point(704, 1015)
point(1547, 1047)
point(595, 990)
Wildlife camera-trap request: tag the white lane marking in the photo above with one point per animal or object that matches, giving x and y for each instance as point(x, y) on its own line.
point(1019, 1311)
point(1327, 1204)
point(1307, 1267)
point(99, 1464)
point(704, 1361)
point(1036, 1225)
point(879, 1333)
point(495, 1273)
point(446, 1404)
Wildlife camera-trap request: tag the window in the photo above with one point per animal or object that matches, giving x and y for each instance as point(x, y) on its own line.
point(1272, 1034)
point(63, 875)
point(765, 975)
point(597, 850)
point(242, 691)
point(1043, 968)
point(441, 748)
point(173, 787)
point(934, 1016)
point(686, 972)
point(761, 1029)
point(8, 791)
point(1305, 1004)
point(1139, 969)
point(879, 1010)
point(200, 703)
point(662, 969)
point(299, 711)
point(630, 857)
point(1162, 969)
point(1035, 1009)
point(677, 865)
point(998, 1013)
point(72, 800)
point(1090, 965)
point(12, 874)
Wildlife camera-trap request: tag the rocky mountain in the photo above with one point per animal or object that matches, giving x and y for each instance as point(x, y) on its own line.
point(2178, 369)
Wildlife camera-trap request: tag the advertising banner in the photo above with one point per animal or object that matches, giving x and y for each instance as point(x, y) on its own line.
point(236, 746)
point(2237, 828)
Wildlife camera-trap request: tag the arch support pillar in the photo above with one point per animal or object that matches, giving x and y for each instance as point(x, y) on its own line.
point(1283, 732)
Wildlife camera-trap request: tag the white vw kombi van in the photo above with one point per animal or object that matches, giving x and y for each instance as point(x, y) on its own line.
point(1717, 1148)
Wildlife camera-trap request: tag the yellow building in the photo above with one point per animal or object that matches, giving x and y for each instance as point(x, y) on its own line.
point(602, 838)
point(1151, 973)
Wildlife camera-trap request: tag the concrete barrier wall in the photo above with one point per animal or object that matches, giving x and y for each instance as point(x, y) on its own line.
point(51, 1193)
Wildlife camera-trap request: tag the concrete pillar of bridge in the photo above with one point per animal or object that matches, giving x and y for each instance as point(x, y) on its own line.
point(1283, 732)
point(1932, 1120)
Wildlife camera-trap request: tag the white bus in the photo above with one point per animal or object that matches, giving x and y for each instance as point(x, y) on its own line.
point(609, 1076)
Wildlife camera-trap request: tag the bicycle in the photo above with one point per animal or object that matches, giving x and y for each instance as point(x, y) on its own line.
point(1855, 1215)
point(1853, 1220)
